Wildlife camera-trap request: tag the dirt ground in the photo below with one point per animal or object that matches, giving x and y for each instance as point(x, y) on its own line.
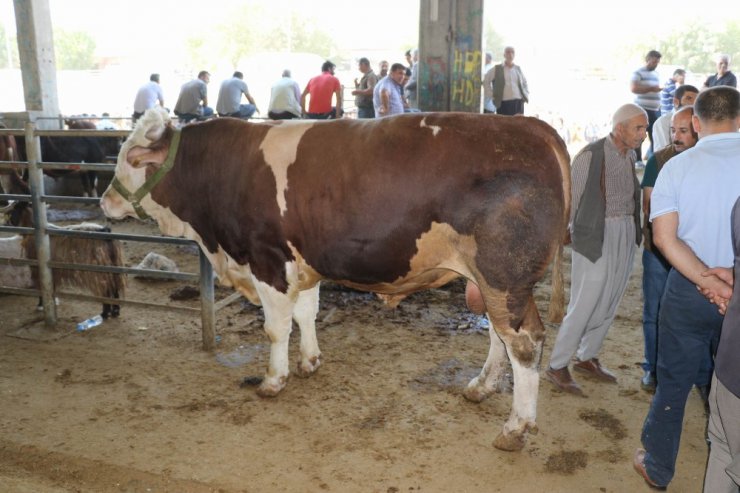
point(135, 405)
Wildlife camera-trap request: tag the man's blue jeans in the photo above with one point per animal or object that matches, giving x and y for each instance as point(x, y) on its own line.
point(654, 274)
point(689, 329)
point(245, 112)
point(365, 112)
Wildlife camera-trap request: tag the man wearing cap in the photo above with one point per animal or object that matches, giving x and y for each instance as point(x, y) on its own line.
point(605, 232)
point(690, 209)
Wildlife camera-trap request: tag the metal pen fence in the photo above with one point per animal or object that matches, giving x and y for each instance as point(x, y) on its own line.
point(42, 233)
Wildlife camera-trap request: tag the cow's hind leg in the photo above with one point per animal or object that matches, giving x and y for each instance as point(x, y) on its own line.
point(524, 348)
point(304, 314)
point(515, 330)
point(278, 308)
point(489, 379)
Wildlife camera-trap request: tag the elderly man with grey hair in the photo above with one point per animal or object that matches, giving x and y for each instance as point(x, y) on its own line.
point(285, 97)
point(605, 232)
point(723, 77)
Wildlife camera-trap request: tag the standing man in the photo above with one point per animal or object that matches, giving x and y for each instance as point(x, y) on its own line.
point(668, 91)
point(488, 74)
point(684, 96)
point(510, 89)
point(691, 207)
point(723, 468)
point(387, 98)
point(723, 77)
point(645, 84)
point(148, 96)
point(192, 94)
point(605, 231)
point(410, 89)
point(230, 98)
point(654, 265)
point(321, 89)
point(363, 92)
point(285, 97)
point(383, 69)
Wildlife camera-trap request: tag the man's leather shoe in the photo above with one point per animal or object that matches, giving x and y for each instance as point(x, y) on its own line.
point(561, 379)
point(639, 464)
point(593, 368)
point(648, 382)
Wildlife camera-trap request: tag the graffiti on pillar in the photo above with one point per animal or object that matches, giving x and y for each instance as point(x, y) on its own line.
point(466, 70)
point(437, 79)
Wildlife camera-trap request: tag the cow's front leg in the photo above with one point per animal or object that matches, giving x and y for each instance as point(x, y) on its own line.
point(278, 308)
point(304, 314)
point(490, 377)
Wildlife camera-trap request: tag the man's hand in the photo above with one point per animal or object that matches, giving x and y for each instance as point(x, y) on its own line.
point(718, 286)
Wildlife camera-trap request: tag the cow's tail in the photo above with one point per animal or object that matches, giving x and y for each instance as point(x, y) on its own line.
point(556, 311)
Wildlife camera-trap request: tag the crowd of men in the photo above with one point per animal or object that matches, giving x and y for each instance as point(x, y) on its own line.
point(392, 91)
point(685, 212)
point(690, 229)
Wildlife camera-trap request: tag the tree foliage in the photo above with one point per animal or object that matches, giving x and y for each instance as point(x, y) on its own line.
point(729, 42)
point(9, 53)
point(75, 50)
point(241, 36)
point(493, 41)
point(693, 46)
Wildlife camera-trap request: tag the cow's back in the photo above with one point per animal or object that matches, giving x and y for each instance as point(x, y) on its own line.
point(358, 206)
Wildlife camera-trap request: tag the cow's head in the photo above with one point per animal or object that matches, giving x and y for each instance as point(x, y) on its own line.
point(142, 162)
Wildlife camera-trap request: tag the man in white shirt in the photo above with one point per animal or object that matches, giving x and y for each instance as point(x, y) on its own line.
point(510, 89)
point(285, 99)
point(148, 96)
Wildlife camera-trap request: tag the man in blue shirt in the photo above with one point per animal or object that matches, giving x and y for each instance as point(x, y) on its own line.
point(669, 90)
point(387, 98)
point(691, 206)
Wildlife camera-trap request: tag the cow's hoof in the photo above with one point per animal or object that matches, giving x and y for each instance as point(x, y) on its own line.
point(515, 440)
point(512, 442)
point(307, 368)
point(271, 387)
point(475, 392)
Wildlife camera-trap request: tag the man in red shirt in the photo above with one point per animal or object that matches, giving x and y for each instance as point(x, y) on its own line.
point(321, 88)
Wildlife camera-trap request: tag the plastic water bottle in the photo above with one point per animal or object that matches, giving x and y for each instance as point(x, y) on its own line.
point(89, 323)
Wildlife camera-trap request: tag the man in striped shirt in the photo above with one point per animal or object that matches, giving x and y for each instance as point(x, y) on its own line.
point(645, 84)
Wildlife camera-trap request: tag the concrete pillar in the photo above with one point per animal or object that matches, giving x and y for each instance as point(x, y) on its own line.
point(450, 55)
point(38, 63)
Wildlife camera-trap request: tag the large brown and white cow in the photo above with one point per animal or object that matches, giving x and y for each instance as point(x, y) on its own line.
point(393, 206)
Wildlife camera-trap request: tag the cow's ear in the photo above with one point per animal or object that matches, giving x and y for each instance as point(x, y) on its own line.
point(144, 156)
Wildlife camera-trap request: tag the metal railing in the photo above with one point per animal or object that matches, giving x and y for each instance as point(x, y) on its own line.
point(42, 233)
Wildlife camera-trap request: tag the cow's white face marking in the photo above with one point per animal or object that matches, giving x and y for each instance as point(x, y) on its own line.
point(279, 148)
point(148, 129)
point(435, 128)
